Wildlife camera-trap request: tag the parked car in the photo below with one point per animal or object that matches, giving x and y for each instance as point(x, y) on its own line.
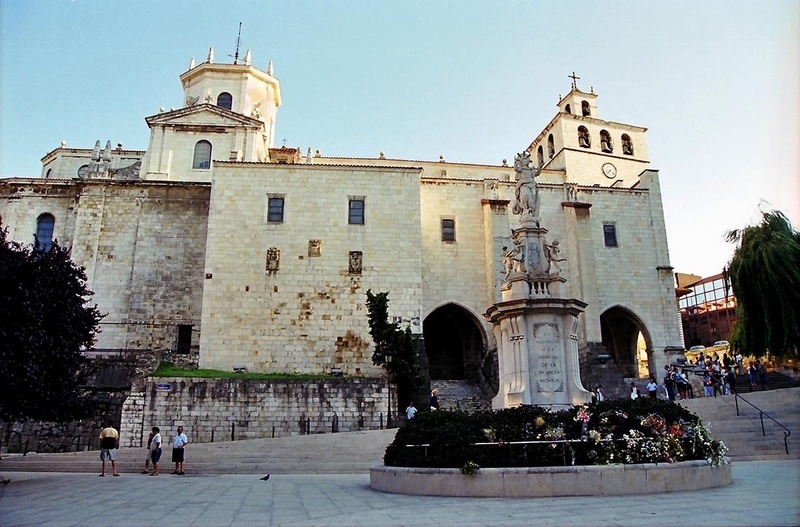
point(697, 348)
point(722, 343)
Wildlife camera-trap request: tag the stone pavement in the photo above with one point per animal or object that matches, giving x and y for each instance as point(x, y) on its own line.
point(763, 493)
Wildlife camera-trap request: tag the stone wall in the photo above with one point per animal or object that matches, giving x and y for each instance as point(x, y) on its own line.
point(226, 409)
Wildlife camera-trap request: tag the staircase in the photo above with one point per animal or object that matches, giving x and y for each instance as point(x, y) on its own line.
point(742, 434)
point(342, 453)
point(774, 381)
point(461, 395)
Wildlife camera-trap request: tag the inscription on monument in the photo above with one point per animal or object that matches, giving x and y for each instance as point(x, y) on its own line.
point(548, 360)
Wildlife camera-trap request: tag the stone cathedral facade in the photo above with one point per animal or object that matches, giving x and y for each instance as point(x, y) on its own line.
point(215, 243)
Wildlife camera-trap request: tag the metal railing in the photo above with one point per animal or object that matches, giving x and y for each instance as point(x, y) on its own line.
point(762, 414)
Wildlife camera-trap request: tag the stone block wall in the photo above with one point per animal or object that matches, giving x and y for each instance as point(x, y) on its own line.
point(225, 409)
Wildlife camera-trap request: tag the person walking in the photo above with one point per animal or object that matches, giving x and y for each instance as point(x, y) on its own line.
point(149, 453)
point(155, 449)
point(410, 411)
point(751, 375)
point(669, 383)
point(634, 391)
point(739, 364)
point(434, 399)
point(179, 443)
point(109, 442)
point(652, 388)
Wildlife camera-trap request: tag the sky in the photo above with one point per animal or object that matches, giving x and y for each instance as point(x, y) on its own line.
point(717, 84)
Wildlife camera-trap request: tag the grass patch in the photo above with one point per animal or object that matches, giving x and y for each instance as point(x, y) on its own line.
point(170, 370)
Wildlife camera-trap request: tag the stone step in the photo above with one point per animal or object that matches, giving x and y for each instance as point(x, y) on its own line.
point(461, 395)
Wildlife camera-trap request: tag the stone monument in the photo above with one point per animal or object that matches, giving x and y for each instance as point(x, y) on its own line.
point(535, 327)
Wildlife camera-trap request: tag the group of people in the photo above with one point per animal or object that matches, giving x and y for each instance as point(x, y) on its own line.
point(109, 443)
point(411, 410)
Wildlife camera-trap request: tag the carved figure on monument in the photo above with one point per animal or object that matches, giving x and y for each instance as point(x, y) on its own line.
point(273, 259)
point(527, 191)
point(516, 258)
point(355, 262)
point(551, 254)
point(192, 101)
point(255, 113)
point(508, 262)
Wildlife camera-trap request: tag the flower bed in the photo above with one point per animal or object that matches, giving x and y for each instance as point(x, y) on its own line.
point(622, 431)
point(614, 447)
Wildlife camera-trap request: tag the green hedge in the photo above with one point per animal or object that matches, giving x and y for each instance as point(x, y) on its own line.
point(619, 431)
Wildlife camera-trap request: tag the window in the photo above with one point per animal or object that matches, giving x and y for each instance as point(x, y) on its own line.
point(585, 109)
point(627, 145)
point(606, 143)
point(355, 212)
point(275, 210)
point(551, 147)
point(610, 234)
point(584, 140)
point(49, 173)
point(225, 100)
point(82, 171)
point(540, 155)
point(448, 230)
point(202, 155)
point(44, 231)
point(568, 109)
point(184, 339)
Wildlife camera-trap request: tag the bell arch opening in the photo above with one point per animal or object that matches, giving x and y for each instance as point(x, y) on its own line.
point(627, 342)
point(454, 344)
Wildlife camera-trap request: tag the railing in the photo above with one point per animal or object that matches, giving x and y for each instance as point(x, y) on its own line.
point(762, 414)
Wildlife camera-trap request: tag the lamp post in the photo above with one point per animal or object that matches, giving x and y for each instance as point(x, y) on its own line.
point(389, 388)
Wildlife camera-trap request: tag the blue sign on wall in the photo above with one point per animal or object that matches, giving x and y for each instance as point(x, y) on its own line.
point(163, 387)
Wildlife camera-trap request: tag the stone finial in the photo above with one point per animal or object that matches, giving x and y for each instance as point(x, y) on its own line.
point(210, 58)
point(441, 159)
point(269, 68)
point(96, 151)
point(107, 151)
point(63, 144)
point(162, 110)
point(309, 159)
point(247, 58)
point(191, 64)
point(382, 156)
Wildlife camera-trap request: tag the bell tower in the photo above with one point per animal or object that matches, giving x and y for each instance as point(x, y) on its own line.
point(239, 87)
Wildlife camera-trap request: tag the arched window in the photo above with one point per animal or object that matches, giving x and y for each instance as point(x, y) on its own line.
point(540, 156)
point(568, 108)
point(49, 173)
point(45, 224)
point(551, 147)
point(627, 145)
point(225, 100)
point(606, 143)
point(202, 155)
point(584, 140)
point(585, 109)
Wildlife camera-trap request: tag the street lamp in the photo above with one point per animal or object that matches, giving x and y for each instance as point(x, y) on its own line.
point(388, 357)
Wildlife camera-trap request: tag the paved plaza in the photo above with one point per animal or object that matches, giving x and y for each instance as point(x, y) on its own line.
point(763, 493)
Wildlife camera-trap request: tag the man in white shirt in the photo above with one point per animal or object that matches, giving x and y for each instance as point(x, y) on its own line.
point(179, 442)
point(411, 411)
point(155, 450)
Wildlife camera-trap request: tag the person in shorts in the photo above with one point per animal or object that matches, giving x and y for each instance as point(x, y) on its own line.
point(178, 445)
point(155, 449)
point(109, 441)
point(149, 453)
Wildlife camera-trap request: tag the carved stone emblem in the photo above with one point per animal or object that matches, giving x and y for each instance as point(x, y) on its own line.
point(315, 247)
point(356, 260)
point(273, 259)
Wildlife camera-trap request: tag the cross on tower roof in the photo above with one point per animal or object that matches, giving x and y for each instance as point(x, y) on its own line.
point(574, 78)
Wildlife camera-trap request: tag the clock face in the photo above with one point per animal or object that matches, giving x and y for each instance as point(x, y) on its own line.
point(609, 170)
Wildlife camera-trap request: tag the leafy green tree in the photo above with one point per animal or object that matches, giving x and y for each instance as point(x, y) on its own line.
point(391, 341)
point(764, 274)
point(44, 326)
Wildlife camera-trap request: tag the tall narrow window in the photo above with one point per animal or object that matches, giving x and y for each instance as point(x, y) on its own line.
point(355, 212)
point(585, 109)
point(627, 145)
point(184, 339)
point(540, 156)
point(610, 234)
point(606, 143)
point(44, 230)
point(225, 100)
point(584, 140)
point(568, 108)
point(275, 210)
point(551, 147)
point(202, 155)
point(448, 230)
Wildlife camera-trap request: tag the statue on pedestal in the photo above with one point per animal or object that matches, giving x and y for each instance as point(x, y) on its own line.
point(527, 192)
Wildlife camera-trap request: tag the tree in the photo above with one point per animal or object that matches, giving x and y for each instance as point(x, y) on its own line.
point(391, 341)
point(764, 274)
point(45, 325)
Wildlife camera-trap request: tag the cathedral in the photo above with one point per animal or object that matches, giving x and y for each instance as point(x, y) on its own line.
point(217, 245)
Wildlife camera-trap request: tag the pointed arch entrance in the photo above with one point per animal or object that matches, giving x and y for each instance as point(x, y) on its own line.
point(627, 342)
point(454, 343)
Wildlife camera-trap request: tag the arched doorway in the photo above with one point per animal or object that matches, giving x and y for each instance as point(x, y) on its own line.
point(627, 342)
point(454, 344)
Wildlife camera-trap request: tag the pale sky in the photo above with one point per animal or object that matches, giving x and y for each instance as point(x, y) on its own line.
point(717, 84)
